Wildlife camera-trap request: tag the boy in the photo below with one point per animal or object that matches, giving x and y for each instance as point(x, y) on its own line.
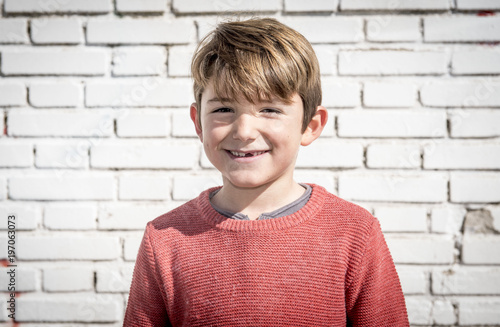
point(262, 250)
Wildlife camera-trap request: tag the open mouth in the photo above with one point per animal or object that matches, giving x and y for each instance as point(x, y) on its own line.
point(245, 154)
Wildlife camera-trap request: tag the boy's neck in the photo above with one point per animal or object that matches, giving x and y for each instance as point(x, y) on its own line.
point(255, 201)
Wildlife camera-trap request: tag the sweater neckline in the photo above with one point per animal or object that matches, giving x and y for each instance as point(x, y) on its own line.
point(219, 221)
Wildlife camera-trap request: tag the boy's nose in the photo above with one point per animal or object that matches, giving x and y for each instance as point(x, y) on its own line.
point(244, 128)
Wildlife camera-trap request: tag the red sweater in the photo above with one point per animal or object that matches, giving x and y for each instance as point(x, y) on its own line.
point(325, 265)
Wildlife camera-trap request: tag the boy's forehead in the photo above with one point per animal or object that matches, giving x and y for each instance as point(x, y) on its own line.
point(210, 97)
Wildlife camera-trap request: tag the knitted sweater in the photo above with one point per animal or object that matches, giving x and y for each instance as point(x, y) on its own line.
point(325, 265)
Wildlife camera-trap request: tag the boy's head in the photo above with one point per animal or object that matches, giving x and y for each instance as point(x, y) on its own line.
point(258, 59)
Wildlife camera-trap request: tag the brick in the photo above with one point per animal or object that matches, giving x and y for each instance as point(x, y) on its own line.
point(481, 249)
point(461, 28)
point(495, 213)
point(340, 29)
point(70, 217)
point(67, 279)
point(27, 216)
point(58, 94)
point(71, 187)
point(340, 93)
point(141, 6)
point(475, 62)
point(15, 154)
point(73, 6)
point(144, 187)
point(327, 154)
point(139, 61)
point(311, 6)
point(443, 312)
point(479, 310)
point(474, 123)
point(182, 125)
point(421, 123)
point(69, 308)
point(140, 31)
point(377, 94)
point(127, 216)
point(318, 177)
point(421, 249)
point(12, 94)
point(402, 219)
point(143, 124)
point(187, 187)
point(144, 155)
point(394, 187)
point(480, 93)
point(393, 29)
point(447, 220)
point(60, 123)
point(413, 280)
point(466, 281)
point(114, 280)
point(62, 155)
point(393, 155)
point(27, 279)
point(475, 188)
point(477, 4)
point(63, 61)
point(13, 31)
point(131, 247)
point(200, 6)
point(179, 60)
point(462, 156)
point(56, 31)
point(392, 62)
point(327, 58)
point(3, 189)
point(391, 5)
point(419, 310)
point(153, 91)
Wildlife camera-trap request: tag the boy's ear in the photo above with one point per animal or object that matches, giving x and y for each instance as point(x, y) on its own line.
point(315, 126)
point(193, 112)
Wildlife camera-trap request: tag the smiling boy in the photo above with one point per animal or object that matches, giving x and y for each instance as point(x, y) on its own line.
point(262, 250)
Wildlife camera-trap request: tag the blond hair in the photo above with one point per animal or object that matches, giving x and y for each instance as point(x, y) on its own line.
point(258, 59)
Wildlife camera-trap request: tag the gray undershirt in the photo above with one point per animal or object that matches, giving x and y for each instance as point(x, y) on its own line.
point(281, 212)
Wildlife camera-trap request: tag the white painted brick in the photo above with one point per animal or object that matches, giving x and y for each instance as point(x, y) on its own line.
point(414, 280)
point(71, 187)
point(402, 219)
point(495, 213)
point(63, 61)
point(115, 280)
point(69, 308)
point(139, 61)
point(75, 247)
point(394, 5)
point(327, 154)
point(187, 187)
point(3, 189)
point(422, 249)
point(340, 93)
point(474, 123)
point(201, 6)
point(461, 28)
point(27, 279)
point(15, 154)
point(13, 30)
point(339, 29)
point(477, 4)
point(480, 93)
point(152, 91)
point(327, 58)
point(381, 123)
point(447, 220)
point(70, 217)
point(64, 279)
point(443, 313)
point(182, 125)
point(311, 6)
point(56, 31)
point(144, 155)
point(143, 124)
point(140, 31)
point(131, 247)
point(475, 188)
point(128, 216)
point(144, 187)
point(479, 311)
point(392, 62)
point(62, 155)
point(60, 123)
point(393, 155)
point(419, 310)
point(318, 177)
point(481, 249)
point(73, 6)
point(141, 6)
point(466, 280)
point(58, 94)
point(476, 62)
point(12, 94)
point(462, 156)
point(383, 94)
point(394, 187)
point(27, 216)
point(179, 60)
point(393, 29)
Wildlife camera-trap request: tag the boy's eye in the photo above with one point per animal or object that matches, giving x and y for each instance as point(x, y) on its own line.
point(271, 110)
point(223, 110)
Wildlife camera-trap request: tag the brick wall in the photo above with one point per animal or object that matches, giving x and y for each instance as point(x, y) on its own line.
point(97, 141)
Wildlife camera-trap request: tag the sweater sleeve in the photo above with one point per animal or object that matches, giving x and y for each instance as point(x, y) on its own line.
point(146, 305)
point(374, 296)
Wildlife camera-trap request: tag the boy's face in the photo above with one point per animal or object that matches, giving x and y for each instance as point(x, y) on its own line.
point(252, 145)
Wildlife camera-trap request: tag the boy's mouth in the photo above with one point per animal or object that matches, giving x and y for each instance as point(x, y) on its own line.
point(245, 154)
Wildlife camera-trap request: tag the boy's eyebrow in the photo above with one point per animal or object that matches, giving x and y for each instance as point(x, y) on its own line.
point(221, 100)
